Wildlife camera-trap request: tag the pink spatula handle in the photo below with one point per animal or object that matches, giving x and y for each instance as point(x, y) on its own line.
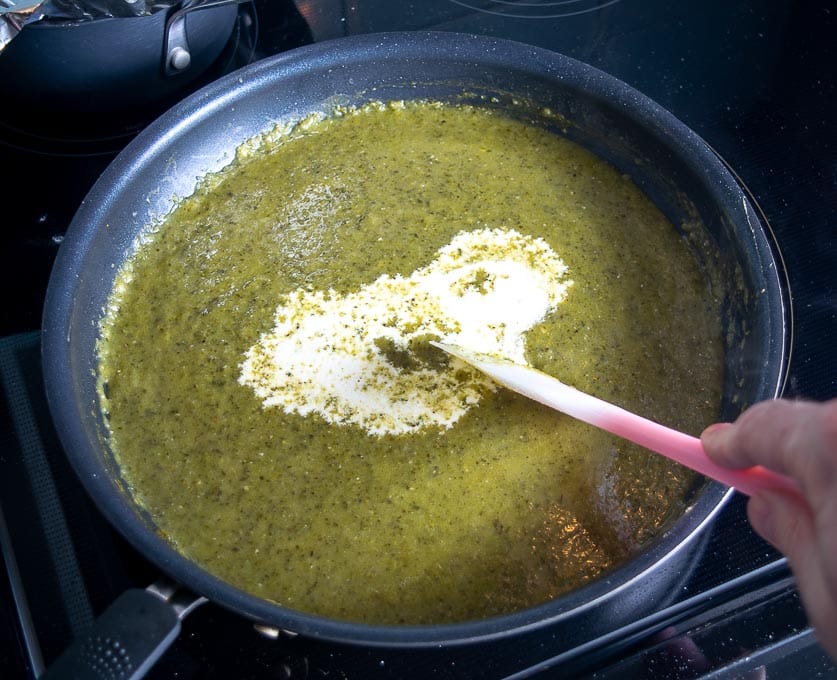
point(678, 446)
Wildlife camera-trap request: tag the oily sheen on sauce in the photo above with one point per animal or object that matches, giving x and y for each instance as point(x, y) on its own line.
point(275, 406)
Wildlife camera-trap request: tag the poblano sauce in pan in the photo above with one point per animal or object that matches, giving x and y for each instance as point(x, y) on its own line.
point(275, 406)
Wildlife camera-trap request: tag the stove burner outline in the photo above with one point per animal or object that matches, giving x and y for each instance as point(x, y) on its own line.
point(535, 10)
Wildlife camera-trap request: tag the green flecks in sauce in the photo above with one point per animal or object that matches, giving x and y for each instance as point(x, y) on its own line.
point(355, 358)
point(512, 505)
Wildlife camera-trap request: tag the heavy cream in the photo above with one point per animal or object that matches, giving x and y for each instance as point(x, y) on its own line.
point(350, 357)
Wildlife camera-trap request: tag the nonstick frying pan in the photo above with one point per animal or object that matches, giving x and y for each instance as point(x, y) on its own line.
point(677, 170)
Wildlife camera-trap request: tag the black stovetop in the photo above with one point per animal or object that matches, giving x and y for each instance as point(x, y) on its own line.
point(754, 78)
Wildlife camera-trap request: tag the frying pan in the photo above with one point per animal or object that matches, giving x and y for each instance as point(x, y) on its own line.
point(674, 167)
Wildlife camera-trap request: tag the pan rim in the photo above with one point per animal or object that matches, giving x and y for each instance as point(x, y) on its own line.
point(339, 55)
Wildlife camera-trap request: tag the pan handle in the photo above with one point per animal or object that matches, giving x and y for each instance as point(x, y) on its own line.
point(130, 636)
point(177, 56)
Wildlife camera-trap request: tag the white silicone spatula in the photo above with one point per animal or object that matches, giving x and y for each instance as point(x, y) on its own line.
point(678, 446)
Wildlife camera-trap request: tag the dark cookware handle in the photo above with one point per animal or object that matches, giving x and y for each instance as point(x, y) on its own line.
point(129, 637)
point(177, 56)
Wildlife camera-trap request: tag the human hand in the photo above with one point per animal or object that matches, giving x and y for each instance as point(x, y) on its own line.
point(798, 439)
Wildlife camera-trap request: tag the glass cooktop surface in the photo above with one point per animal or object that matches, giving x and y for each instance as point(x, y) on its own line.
point(754, 78)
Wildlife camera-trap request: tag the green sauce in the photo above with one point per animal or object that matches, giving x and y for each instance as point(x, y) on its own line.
point(511, 506)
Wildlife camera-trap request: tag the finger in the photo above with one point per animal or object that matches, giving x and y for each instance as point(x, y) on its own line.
point(825, 522)
point(819, 609)
point(795, 438)
point(756, 435)
point(788, 525)
point(783, 521)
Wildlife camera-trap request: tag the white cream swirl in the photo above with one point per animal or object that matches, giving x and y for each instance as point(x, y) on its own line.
point(361, 358)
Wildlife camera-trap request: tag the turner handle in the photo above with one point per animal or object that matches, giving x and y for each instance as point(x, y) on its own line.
point(129, 637)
